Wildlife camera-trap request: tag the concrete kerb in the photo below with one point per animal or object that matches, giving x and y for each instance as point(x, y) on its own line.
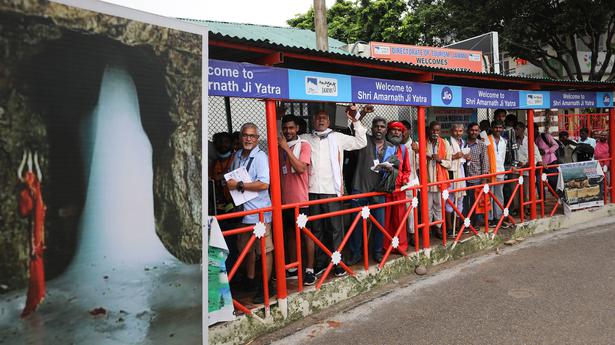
point(310, 301)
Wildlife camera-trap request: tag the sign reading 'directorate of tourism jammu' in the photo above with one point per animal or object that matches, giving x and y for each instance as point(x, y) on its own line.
point(246, 80)
point(581, 184)
point(382, 91)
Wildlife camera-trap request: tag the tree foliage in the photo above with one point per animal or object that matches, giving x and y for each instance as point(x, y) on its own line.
point(547, 33)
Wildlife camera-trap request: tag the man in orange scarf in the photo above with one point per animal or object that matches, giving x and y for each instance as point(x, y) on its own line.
point(439, 156)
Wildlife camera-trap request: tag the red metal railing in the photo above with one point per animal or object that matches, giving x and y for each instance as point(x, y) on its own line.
point(484, 197)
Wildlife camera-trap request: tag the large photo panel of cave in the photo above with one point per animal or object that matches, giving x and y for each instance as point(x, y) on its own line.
point(100, 163)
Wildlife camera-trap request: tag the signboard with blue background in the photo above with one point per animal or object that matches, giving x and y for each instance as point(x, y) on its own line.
point(246, 80)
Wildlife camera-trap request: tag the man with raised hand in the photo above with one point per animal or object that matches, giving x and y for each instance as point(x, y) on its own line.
point(326, 178)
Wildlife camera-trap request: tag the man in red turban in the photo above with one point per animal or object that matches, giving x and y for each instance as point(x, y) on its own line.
point(395, 214)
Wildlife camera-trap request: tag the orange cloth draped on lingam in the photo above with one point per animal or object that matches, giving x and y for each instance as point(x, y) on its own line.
point(31, 205)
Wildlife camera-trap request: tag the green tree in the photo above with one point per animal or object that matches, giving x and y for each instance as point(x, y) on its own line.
point(547, 33)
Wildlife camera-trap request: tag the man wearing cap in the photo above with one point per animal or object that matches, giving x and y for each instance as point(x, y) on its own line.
point(395, 213)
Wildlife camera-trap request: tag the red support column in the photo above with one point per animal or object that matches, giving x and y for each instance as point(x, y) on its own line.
point(423, 178)
point(532, 159)
point(276, 198)
point(612, 150)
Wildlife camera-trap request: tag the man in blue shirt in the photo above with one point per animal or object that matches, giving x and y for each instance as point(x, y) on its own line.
point(256, 163)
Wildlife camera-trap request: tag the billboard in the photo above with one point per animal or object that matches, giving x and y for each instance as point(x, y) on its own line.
point(101, 207)
point(468, 60)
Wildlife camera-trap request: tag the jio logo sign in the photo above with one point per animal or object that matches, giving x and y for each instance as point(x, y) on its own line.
point(606, 99)
point(447, 95)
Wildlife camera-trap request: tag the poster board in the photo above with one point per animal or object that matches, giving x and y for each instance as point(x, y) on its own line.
point(581, 185)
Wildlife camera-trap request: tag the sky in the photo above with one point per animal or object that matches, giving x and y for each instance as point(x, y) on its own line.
point(268, 12)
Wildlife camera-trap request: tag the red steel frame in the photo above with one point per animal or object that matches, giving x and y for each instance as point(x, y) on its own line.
point(572, 123)
point(276, 208)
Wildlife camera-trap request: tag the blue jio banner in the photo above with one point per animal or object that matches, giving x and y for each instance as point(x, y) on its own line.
point(384, 91)
point(572, 99)
point(445, 96)
point(489, 98)
point(534, 99)
point(604, 99)
point(316, 86)
point(237, 79)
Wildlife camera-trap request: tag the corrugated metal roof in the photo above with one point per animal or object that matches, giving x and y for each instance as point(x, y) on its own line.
point(304, 41)
point(346, 56)
point(285, 36)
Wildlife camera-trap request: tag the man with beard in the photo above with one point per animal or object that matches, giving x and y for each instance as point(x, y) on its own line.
point(326, 178)
point(295, 159)
point(366, 180)
point(457, 170)
point(438, 163)
point(395, 214)
point(413, 150)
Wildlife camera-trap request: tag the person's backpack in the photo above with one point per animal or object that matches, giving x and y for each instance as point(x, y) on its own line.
point(584, 152)
point(561, 151)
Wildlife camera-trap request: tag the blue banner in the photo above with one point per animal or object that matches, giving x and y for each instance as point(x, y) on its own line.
point(604, 99)
point(488, 98)
point(534, 100)
point(572, 99)
point(247, 80)
point(383, 91)
point(445, 96)
point(316, 86)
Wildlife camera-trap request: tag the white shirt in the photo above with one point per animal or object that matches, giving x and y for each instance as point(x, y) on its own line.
point(500, 154)
point(413, 160)
point(321, 179)
point(590, 141)
point(523, 155)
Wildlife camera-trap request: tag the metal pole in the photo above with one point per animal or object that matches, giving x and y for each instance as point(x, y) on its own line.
point(276, 200)
point(612, 150)
point(532, 159)
point(227, 109)
point(423, 178)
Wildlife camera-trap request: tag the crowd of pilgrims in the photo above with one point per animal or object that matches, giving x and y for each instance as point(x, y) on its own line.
point(323, 163)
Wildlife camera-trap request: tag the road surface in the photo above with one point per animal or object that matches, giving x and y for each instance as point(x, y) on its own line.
point(555, 288)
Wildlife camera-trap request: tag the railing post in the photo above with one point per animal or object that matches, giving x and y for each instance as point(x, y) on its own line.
point(423, 178)
point(612, 150)
point(532, 159)
point(276, 203)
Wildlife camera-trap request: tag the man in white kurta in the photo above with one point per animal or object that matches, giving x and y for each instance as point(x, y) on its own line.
point(326, 179)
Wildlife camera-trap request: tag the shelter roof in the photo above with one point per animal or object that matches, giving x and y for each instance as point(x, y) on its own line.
point(296, 49)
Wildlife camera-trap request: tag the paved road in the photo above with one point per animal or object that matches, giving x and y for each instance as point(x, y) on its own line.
point(557, 288)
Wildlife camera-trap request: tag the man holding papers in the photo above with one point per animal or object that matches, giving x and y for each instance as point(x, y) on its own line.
point(256, 163)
